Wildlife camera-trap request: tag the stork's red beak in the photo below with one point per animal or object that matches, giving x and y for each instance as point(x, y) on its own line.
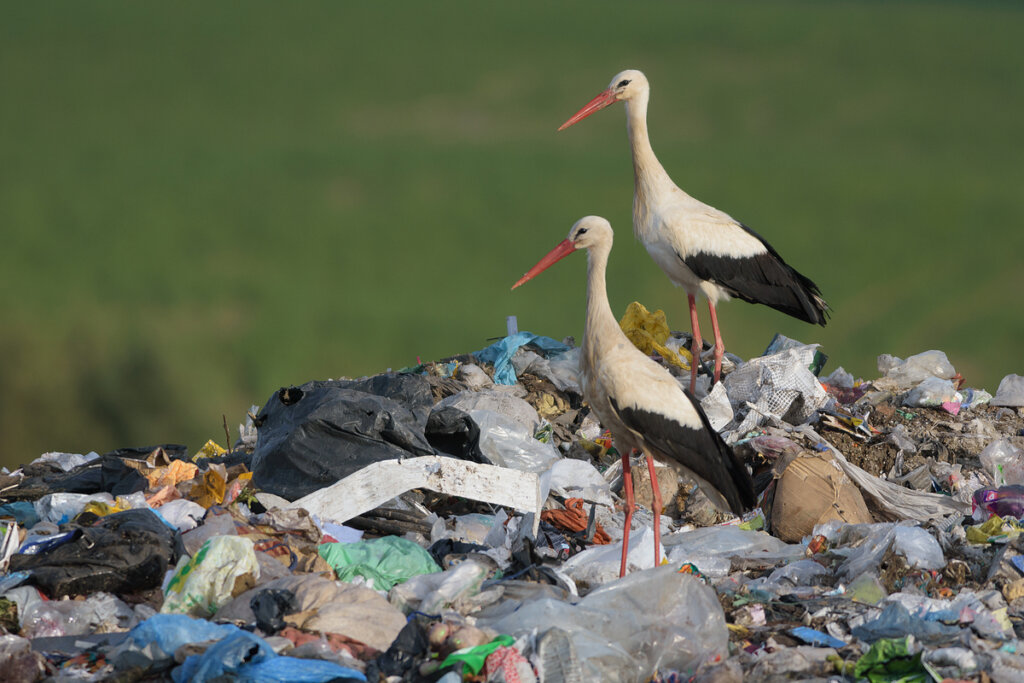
point(596, 104)
point(564, 248)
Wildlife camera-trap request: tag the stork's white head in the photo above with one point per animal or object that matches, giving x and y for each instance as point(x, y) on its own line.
point(587, 233)
point(628, 84)
point(591, 231)
point(625, 86)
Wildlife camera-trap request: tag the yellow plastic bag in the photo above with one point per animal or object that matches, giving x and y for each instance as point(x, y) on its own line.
point(649, 331)
point(211, 449)
point(173, 474)
point(211, 487)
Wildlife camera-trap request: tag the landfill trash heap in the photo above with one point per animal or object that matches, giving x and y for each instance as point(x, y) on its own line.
point(461, 520)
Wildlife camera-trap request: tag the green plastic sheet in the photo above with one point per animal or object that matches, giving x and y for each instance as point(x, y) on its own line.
point(890, 661)
point(388, 560)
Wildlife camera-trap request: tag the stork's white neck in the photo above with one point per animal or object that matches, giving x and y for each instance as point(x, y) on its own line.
point(649, 176)
point(601, 328)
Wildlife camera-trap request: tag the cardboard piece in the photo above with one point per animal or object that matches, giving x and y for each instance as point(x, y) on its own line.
point(814, 489)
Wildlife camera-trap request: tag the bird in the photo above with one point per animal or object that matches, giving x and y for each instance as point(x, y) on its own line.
point(638, 400)
point(701, 249)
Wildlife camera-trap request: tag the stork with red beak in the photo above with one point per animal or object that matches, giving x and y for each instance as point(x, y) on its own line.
point(701, 249)
point(638, 400)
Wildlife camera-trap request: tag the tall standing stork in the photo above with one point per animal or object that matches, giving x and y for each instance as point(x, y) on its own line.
point(638, 400)
point(701, 249)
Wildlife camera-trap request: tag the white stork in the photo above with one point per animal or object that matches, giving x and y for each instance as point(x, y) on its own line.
point(639, 400)
point(701, 249)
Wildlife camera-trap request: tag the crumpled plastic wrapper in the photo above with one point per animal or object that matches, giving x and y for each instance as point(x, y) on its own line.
point(780, 384)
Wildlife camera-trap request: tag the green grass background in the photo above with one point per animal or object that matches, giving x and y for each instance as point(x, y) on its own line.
point(202, 202)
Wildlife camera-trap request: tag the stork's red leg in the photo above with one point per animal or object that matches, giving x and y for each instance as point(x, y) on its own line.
point(627, 485)
point(719, 344)
point(656, 507)
point(698, 343)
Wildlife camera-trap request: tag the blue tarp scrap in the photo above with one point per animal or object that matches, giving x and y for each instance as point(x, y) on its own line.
point(500, 353)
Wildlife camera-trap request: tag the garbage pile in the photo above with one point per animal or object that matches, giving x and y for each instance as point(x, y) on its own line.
point(462, 520)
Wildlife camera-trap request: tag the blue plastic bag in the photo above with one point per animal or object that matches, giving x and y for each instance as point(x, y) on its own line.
point(500, 353)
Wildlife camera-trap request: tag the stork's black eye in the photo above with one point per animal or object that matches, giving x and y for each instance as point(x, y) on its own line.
point(623, 83)
point(581, 231)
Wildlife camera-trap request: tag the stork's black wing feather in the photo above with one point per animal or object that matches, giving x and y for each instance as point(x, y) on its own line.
point(762, 279)
point(700, 450)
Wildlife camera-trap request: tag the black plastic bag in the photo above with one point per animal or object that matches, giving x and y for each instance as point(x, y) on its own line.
point(271, 606)
point(453, 432)
point(319, 433)
point(124, 552)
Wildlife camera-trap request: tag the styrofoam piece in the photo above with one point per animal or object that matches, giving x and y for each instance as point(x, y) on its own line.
point(378, 483)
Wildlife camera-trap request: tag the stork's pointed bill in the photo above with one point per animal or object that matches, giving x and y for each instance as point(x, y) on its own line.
point(598, 103)
point(564, 248)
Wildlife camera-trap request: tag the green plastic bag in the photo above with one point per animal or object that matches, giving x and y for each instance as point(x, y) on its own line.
point(388, 560)
point(889, 661)
point(474, 657)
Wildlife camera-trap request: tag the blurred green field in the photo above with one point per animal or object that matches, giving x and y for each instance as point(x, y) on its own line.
point(202, 202)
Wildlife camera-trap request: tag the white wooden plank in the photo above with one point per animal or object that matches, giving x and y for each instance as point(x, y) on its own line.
point(378, 483)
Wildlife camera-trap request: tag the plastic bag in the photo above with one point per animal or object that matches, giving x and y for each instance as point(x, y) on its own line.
point(512, 408)
point(99, 613)
point(561, 370)
point(711, 549)
point(68, 461)
point(386, 561)
point(60, 508)
point(123, 552)
point(201, 584)
point(679, 625)
point(505, 444)
point(1005, 501)
point(916, 368)
point(571, 478)
point(717, 407)
point(778, 385)
point(892, 660)
point(18, 661)
point(440, 591)
point(500, 353)
point(1010, 392)
point(896, 621)
point(474, 376)
point(649, 332)
point(600, 564)
point(453, 432)
point(930, 393)
point(169, 632)
point(1004, 461)
point(316, 434)
point(183, 514)
point(864, 546)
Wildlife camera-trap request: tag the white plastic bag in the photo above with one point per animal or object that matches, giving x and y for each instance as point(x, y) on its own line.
point(1010, 391)
point(201, 584)
point(1004, 461)
point(652, 620)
